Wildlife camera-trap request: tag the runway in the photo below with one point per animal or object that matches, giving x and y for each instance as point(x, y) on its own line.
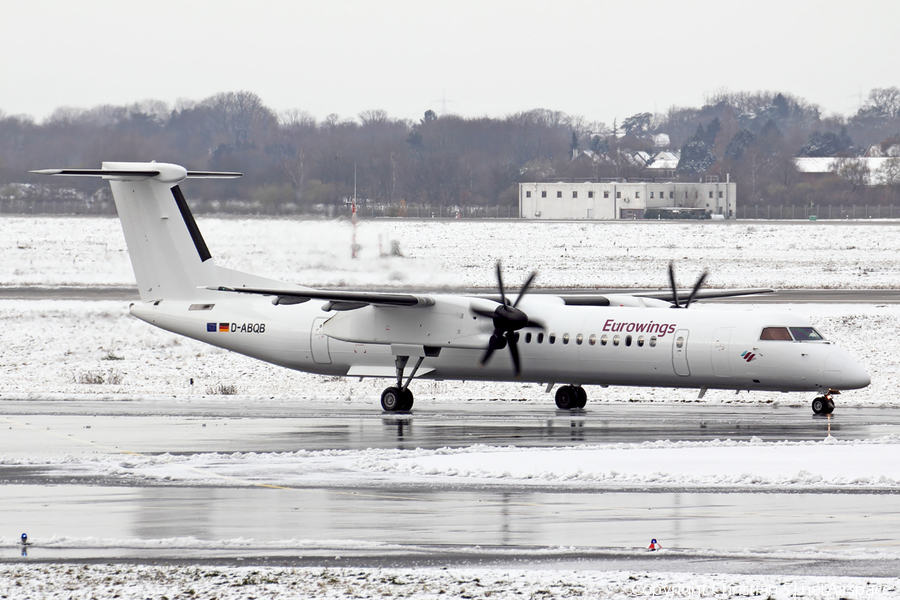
point(113, 516)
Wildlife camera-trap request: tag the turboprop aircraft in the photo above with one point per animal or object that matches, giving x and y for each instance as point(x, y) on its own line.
point(642, 339)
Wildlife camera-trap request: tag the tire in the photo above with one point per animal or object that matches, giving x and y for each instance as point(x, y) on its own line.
point(406, 402)
point(829, 406)
point(819, 406)
point(581, 394)
point(566, 397)
point(392, 399)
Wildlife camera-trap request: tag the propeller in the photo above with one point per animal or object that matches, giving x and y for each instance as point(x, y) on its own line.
point(697, 285)
point(507, 321)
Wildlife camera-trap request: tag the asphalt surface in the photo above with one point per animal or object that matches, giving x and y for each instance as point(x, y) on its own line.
point(116, 519)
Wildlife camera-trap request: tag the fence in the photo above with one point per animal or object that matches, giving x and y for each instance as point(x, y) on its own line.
point(422, 211)
point(820, 212)
point(415, 211)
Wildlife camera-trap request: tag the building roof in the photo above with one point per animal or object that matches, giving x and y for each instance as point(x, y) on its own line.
point(829, 164)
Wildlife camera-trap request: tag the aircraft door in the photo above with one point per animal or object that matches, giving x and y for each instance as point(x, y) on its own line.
point(679, 353)
point(318, 343)
point(720, 352)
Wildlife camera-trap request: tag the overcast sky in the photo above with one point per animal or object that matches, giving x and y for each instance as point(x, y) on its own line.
point(599, 59)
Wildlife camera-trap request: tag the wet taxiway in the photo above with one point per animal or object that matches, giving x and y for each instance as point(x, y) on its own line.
point(213, 425)
point(108, 517)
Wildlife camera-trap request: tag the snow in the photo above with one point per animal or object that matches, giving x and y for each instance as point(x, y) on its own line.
point(783, 255)
point(830, 464)
point(145, 581)
point(50, 345)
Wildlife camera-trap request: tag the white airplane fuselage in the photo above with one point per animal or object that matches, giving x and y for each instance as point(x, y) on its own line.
point(647, 346)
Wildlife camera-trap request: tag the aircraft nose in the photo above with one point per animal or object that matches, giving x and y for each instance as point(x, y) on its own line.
point(844, 373)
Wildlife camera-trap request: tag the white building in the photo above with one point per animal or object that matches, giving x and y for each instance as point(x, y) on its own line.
point(613, 200)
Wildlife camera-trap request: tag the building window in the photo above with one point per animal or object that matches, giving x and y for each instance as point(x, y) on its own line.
point(606, 194)
point(637, 194)
point(528, 194)
point(618, 194)
point(574, 194)
point(671, 195)
point(544, 194)
point(651, 195)
point(559, 194)
point(590, 194)
point(710, 194)
point(720, 194)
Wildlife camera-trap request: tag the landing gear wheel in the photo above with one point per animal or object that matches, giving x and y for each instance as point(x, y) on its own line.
point(406, 400)
point(392, 399)
point(582, 397)
point(566, 397)
point(823, 405)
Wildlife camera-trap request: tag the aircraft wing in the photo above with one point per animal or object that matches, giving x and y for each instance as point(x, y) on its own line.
point(705, 294)
point(338, 300)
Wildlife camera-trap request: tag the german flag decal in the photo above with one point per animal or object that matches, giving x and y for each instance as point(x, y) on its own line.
point(224, 327)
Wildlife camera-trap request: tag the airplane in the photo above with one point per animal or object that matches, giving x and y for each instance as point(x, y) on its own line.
point(640, 339)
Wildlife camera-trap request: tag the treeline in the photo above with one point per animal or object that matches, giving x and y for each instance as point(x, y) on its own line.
point(295, 163)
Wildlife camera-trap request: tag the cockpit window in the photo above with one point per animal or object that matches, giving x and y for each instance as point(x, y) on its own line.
point(776, 333)
point(806, 334)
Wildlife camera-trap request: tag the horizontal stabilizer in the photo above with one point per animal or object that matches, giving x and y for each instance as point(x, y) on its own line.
point(164, 172)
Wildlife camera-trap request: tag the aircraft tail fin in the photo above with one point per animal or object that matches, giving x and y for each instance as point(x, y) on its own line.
point(169, 256)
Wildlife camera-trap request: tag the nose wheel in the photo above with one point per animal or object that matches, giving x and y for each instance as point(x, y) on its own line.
point(823, 405)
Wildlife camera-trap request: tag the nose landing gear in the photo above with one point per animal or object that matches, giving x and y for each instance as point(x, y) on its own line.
point(823, 405)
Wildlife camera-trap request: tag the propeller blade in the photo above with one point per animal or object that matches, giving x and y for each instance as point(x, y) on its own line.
point(514, 351)
point(490, 314)
point(672, 282)
point(500, 284)
point(487, 355)
point(497, 342)
point(696, 289)
point(525, 287)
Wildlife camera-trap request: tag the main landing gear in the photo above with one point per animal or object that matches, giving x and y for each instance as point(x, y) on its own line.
point(400, 397)
point(823, 405)
point(571, 396)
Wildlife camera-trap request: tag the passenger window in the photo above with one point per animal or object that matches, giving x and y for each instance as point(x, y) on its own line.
point(628, 340)
point(640, 341)
point(679, 343)
point(540, 338)
point(603, 339)
point(565, 338)
point(592, 340)
point(806, 334)
point(528, 337)
point(615, 340)
point(579, 339)
point(552, 338)
point(776, 333)
point(653, 341)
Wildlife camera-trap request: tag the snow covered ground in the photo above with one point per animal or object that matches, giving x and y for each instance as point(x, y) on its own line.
point(783, 255)
point(151, 581)
point(52, 349)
